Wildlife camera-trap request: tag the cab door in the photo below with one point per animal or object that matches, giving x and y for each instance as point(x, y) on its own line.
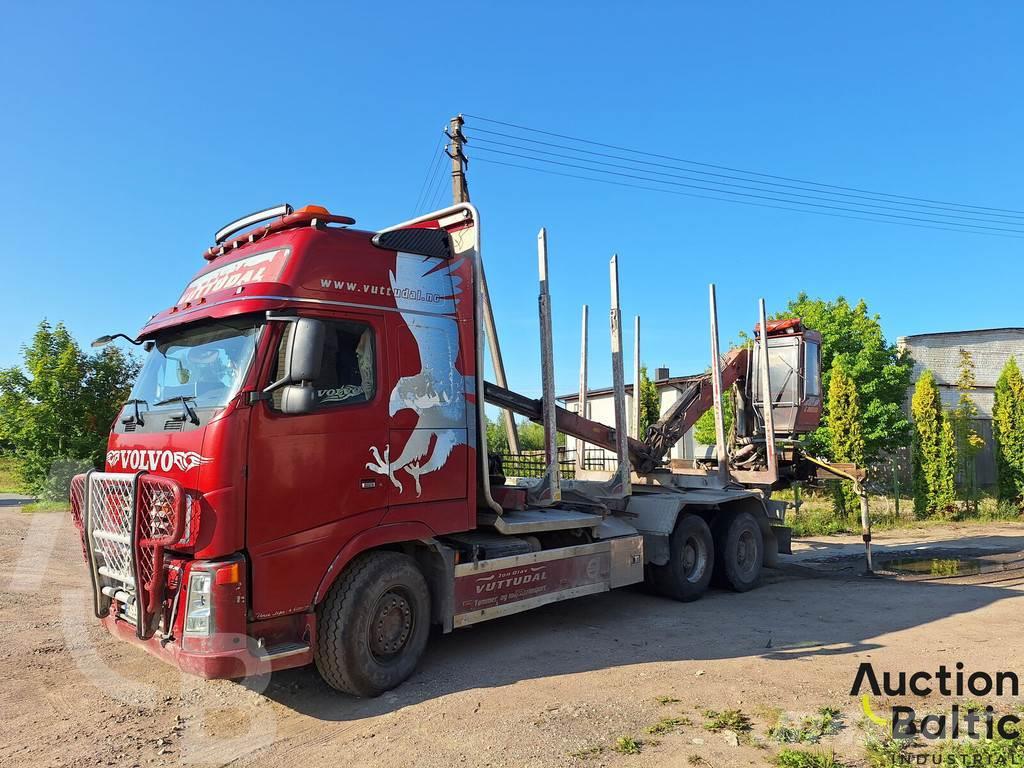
point(308, 486)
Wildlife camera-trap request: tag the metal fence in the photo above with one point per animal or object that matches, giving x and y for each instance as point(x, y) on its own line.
point(531, 463)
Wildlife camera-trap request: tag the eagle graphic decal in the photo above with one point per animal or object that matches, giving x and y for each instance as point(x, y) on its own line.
point(426, 291)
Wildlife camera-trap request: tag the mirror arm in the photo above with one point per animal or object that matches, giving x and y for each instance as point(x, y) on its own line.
point(273, 386)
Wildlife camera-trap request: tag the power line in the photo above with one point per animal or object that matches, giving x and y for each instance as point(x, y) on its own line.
point(439, 187)
point(737, 170)
point(990, 217)
point(769, 197)
point(740, 202)
point(431, 170)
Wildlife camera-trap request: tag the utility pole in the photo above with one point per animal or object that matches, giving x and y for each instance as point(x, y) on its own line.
point(460, 190)
point(460, 194)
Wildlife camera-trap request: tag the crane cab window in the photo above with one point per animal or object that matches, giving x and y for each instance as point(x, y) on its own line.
point(783, 363)
point(348, 374)
point(812, 369)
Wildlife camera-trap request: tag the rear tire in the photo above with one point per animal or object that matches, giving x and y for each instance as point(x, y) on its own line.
point(686, 575)
point(739, 552)
point(374, 624)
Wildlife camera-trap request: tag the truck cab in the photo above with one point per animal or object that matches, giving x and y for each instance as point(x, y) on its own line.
point(310, 395)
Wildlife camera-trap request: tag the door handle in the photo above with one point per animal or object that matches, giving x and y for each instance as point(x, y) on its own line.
point(367, 484)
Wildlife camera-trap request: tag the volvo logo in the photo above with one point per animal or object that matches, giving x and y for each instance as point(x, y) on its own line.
point(155, 461)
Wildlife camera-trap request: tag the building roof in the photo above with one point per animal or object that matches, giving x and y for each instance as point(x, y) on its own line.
point(903, 339)
point(671, 381)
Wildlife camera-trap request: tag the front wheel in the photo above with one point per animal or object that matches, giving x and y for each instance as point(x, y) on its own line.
point(373, 625)
point(686, 575)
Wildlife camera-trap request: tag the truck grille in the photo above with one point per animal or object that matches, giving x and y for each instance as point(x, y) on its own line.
point(126, 520)
point(110, 515)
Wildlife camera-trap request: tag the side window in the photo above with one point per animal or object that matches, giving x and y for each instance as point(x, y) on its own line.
point(812, 370)
point(348, 372)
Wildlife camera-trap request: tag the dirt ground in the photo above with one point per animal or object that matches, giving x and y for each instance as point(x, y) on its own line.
point(555, 687)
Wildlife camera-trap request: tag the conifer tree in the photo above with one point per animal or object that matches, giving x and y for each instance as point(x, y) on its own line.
point(1008, 431)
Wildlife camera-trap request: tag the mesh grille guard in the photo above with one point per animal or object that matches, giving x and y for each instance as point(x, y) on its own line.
point(126, 522)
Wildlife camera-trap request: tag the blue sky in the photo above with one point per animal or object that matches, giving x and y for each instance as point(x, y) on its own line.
point(132, 133)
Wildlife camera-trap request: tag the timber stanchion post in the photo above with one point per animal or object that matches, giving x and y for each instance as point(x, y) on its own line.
point(636, 409)
point(581, 402)
point(621, 483)
point(721, 455)
point(548, 490)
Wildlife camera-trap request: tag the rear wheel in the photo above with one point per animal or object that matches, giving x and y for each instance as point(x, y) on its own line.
point(373, 625)
point(686, 575)
point(739, 552)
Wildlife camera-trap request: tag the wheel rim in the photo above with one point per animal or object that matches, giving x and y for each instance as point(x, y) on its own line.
point(694, 559)
point(391, 625)
point(746, 552)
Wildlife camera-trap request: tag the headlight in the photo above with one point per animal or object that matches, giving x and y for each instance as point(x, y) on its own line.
point(199, 610)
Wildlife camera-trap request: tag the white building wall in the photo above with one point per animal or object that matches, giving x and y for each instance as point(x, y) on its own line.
point(601, 408)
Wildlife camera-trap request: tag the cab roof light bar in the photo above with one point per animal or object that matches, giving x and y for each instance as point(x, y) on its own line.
point(247, 221)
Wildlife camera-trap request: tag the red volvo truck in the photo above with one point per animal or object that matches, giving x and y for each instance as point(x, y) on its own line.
point(301, 473)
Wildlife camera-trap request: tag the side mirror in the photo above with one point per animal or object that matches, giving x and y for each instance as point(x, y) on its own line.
point(305, 351)
point(297, 399)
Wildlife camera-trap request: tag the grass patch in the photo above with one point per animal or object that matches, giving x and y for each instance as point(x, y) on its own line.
point(771, 715)
point(727, 720)
point(972, 705)
point(886, 752)
point(587, 752)
point(818, 518)
point(666, 725)
point(46, 506)
point(10, 478)
point(944, 567)
point(802, 758)
point(810, 730)
point(627, 745)
point(666, 700)
point(993, 752)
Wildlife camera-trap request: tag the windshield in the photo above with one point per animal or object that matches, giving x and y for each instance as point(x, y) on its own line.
point(205, 364)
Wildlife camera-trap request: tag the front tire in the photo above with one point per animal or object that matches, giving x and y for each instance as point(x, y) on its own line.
point(686, 575)
point(374, 624)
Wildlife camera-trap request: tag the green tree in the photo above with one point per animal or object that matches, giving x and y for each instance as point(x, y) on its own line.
point(1008, 431)
point(650, 402)
point(497, 439)
point(704, 427)
point(881, 371)
point(968, 441)
point(531, 436)
point(934, 462)
point(58, 406)
point(845, 431)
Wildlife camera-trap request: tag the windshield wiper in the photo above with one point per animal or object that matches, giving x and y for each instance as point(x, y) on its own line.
point(183, 399)
point(136, 417)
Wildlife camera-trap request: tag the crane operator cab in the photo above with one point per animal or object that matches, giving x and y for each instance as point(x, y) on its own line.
point(794, 373)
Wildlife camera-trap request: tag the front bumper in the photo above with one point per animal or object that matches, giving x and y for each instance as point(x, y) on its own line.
point(247, 660)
